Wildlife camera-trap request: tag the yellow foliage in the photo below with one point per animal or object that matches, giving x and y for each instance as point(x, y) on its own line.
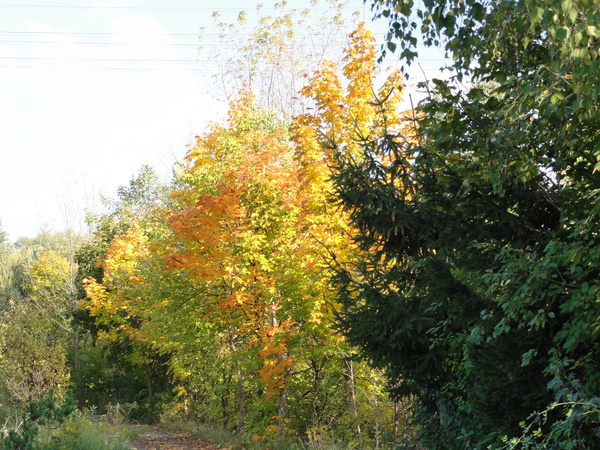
point(114, 302)
point(350, 114)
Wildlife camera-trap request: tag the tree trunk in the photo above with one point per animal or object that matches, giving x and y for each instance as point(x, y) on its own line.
point(395, 418)
point(148, 380)
point(240, 385)
point(242, 397)
point(352, 400)
point(281, 410)
point(77, 371)
point(376, 410)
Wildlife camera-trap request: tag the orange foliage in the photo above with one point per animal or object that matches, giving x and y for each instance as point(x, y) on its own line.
point(254, 225)
point(237, 223)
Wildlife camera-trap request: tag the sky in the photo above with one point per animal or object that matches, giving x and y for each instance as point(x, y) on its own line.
point(92, 90)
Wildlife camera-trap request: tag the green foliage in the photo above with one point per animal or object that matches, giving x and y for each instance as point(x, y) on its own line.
point(562, 426)
point(478, 291)
point(117, 372)
point(144, 194)
point(38, 296)
point(33, 350)
point(43, 412)
point(78, 432)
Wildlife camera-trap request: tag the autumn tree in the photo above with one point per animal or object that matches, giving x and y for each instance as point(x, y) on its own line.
point(233, 291)
point(272, 56)
point(238, 299)
point(484, 304)
point(118, 367)
point(239, 226)
point(51, 287)
point(257, 236)
point(353, 114)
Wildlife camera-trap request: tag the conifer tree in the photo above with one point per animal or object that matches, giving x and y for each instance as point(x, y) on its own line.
point(484, 303)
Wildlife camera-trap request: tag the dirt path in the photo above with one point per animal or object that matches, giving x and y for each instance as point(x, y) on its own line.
point(155, 438)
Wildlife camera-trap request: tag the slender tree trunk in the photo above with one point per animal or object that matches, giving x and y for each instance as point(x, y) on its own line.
point(281, 410)
point(77, 370)
point(242, 397)
point(377, 410)
point(225, 401)
point(148, 380)
point(352, 399)
point(240, 385)
point(405, 404)
point(395, 418)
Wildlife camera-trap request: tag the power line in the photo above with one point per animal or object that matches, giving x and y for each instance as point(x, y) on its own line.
point(100, 60)
point(99, 44)
point(103, 34)
point(60, 33)
point(156, 8)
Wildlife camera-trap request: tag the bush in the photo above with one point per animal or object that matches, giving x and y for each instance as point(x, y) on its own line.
point(79, 433)
point(44, 412)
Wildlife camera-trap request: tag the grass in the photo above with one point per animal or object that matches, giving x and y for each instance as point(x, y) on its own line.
point(80, 433)
point(225, 439)
point(214, 435)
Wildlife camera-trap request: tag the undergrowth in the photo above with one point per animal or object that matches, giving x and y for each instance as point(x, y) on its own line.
point(80, 433)
point(220, 437)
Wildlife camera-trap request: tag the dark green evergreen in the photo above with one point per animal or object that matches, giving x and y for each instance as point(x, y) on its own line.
point(478, 288)
point(44, 412)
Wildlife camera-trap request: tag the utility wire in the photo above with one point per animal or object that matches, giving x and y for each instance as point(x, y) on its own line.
point(159, 8)
point(60, 33)
point(192, 35)
point(133, 45)
point(119, 60)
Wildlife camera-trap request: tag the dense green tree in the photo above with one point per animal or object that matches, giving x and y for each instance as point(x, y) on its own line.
point(33, 354)
point(38, 298)
point(118, 371)
point(479, 290)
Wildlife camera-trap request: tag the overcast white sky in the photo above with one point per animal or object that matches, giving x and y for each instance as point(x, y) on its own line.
point(90, 91)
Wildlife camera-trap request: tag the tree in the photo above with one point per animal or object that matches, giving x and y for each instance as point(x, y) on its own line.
point(228, 283)
point(272, 58)
point(120, 367)
point(351, 114)
point(6, 270)
point(34, 354)
point(238, 222)
point(43, 412)
point(3, 237)
point(51, 287)
point(39, 298)
point(484, 304)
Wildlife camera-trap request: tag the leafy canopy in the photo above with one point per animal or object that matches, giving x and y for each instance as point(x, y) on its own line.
point(485, 302)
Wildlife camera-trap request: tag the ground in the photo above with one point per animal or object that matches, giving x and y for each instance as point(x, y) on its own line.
point(151, 438)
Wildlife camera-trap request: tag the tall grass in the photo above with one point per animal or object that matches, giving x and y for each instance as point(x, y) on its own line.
point(317, 440)
point(80, 433)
